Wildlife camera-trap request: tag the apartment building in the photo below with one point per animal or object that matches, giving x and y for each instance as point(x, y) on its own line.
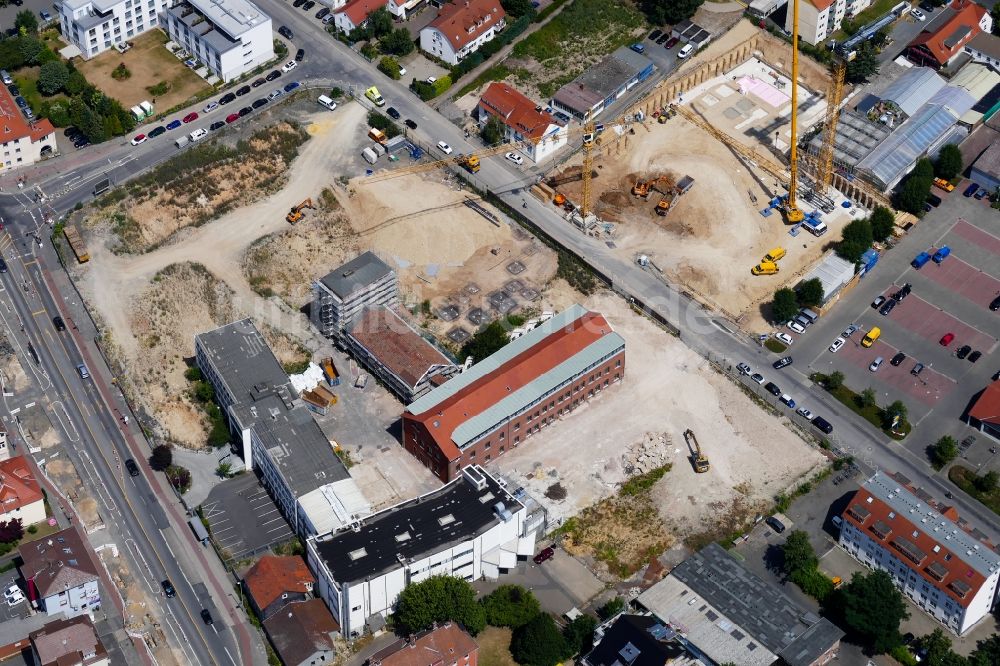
point(504, 399)
point(60, 574)
point(231, 37)
point(469, 528)
point(280, 440)
point(818, 19)
point(945, 570)
point(23, 142)
point(341, 295)
point(461, 28)
point(20, 495)
point(536, 131)
point(68, 642)
point(95, 26)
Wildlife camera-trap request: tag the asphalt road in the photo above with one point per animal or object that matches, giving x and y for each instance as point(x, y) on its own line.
point(127, 504)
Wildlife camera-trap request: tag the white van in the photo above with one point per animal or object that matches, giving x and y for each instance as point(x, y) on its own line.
point(686, 51)
point(181, 141)
point(198, 134)
point(327, 102)
point(5, 77)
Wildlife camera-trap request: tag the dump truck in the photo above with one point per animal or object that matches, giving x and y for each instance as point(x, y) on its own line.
point(296, 214)
point(469, 162)
point(698, 459)
point(330, 371)
point(774, 255)
point(765, 268)
point(76, 243)
point(665, 204)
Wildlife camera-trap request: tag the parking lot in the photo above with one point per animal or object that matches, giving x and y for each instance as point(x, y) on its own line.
point(242, 517)
point(19, 610)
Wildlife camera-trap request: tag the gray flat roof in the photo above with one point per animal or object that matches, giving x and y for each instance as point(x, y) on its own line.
point(234, 17)
point(266, 401)
point(602, 80)
point(986, 43)
point(754, 610)
point(355, 275)
point(202, 26)
point(428, 524)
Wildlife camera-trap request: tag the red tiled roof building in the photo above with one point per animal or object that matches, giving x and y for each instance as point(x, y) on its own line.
point(985, 412)
point(447, 644)
point(537, 131)
point(275, 581)
point(20, 495)
point(946, 35)
point(461, 28)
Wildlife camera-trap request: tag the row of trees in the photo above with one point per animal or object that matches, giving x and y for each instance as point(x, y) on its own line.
point(913, 194)
point(787, 301)
point(379, 28)
point(536, 640)
point(859, 234)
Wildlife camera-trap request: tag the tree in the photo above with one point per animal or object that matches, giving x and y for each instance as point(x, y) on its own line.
point(398, 42)
point(835, 380)
point(669, 11)
point(390, 67)
point(11, 531)
point(856, 239)
point(785, 305)
point(949, 162)
point(864, 66)
point(52, 77)
point(579, 635)
point(987, 483)
point(938, 648)
point(439, 599)
point(26, 23)
point(867, 397)
point(516, 8)
point(538, 643)
point(995, 13)
point(913, 194)
point(31, 49)
point(379, 23)
point(873, 608)
point(510, 606)
point(897, 408)
point(485, 341)
point(811, 293)
point(987, 652)
point(162, 458)
point(943, 452)
point(882, 221)
point(179, 477)
point(611, 608)
point(492, 131)
point(799, 553)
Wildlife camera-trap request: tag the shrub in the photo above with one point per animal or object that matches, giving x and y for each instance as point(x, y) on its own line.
point(943, 452)
point(161, 458)
point(611, 608)
point(121, 72)
point(161, 88)
point(538, 643)
point(390, 67)
point(510, 606)
point(179, 477)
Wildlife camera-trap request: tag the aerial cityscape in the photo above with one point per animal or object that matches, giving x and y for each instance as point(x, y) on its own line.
point(500, 332)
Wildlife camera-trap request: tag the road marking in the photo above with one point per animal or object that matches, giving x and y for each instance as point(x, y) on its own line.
point(38, 312)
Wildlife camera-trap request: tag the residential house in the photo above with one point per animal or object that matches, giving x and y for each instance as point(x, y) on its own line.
point(461, 28)
point(536, 131)
point(24, 142)
point(303, 633)
point(946, 35)
point(68, 642)
point(275, 581)
point(60, 574)
point(427, 648)
point(355, 14)
point(20, 495)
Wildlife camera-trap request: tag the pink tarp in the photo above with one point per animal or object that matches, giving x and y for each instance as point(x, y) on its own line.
point(763, 90)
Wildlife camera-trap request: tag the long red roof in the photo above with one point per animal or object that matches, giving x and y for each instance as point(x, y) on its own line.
point(953, 34)
point(516, 111)
point(464, 21)
point(987, 407)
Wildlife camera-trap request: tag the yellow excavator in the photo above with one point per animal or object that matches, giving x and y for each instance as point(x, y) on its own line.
point(643, 188)
point(698, 459)
point(296, 213)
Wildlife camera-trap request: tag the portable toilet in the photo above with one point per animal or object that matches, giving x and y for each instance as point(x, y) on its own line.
point(147, 108)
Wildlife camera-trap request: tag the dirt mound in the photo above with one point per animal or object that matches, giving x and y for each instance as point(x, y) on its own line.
point(615, 198)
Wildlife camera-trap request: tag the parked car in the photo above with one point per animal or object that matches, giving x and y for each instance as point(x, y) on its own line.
point(946, 339)
point(879, 300)
point(662, 38)
point(671, 43)
point(431, 79)
point(743, 369)
point(210, 107)
point(322, 13)
point(963, 351)
point(173, 124)
point(804, 413)
point(20, 101)
point(782, 362)
point(243, 91)
point(656, 33)
point(410, 123)
point(887, 307)
point(917, 369)
point(686, 51)
point(299, 55)
point(259, 102)
point(289, 66)
point(975, 356)
point(232, 118)
point(275, 94)
point(775, 524)
point(822, 424)
point(227, 98)
point(13, 595)
point(638, 48)
point(285, 32)
point(138, 138)
point(919, 260)
point(82, 142)
point(898, 359)
point(943, 252)
point(787, 400)
point(272, 75)
point(903, 292)
point(970, 190)
point(392, 113)
point(14, 90)
point(217, 125)
point(46, 17)
point(444, 147)
point(784, 337)
point(258, 82)
point(851, 330)
point(757, 378)
point(796, 327)
point(245, 111)
point(515, 158)
point(132, 467)
point(191, 117)
point(772, 388)
point(545, 554)
point(980, 193)
point(876, 364)
point(837, 344)
point(995, 304)
point(917, 14)
point(308, 5)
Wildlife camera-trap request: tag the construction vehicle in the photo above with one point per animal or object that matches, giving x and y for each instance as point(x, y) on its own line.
point(330, 371)
point(698, 459)
point(642, 188)
point(559, 199)
point(296, 213)
point(774, 255)
point(469, 162)
point(765, 268)
point(664, 205)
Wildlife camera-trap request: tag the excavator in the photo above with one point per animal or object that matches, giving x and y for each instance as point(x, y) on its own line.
point(642, 188)
point(698, 459)
point(296, 213)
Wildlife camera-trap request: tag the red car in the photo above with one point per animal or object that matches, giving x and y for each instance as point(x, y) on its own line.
point(671, 43)
point(232, 117)
point(545, 554)
point(946, 339)
point(191, 117)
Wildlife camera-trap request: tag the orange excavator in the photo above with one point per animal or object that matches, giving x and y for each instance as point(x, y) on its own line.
point(296, 213)
point(643, 188)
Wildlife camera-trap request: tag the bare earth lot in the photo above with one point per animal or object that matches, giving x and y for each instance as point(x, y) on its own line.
point(150, 64)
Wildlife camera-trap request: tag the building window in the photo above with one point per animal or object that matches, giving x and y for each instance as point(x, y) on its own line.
point(488, 445)
point(618, 363)
point(503, 436)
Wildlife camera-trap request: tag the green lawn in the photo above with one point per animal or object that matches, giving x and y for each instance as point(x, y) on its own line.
point(494, 647)
point(775, 345)
point(964, 478)
point(871, 413)
point(599, 25)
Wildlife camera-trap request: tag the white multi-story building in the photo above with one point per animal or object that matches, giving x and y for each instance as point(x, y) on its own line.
point(23, 142)
point(461, 28)
point(470, 528)
point(818, 19)
point(231, 37)
point(60, 575)
point(344, 292)
point(95, 26)
point(536, 131)
point(949, 573)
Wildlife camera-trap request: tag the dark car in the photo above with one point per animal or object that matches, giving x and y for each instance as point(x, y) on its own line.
point(392, 113)
point(975, 356)
point(82, 142)
point(3, 266)
point(246, 111)
point(934, 200)
point(168, 589)
point(58, 322)
point(783, 362)
point(157, 131)
point(258, 83)
point(656, 33)
point(917, 369)
point(671, 43)
point(259, 103)
point(903, 292)
point(206, 617)
point(322, 13)
point(21, 102)
point(995, 304)
point(227, 98)
point(217, 125)
point(14, 90)
point(133, 469)
point(173, 124)
point(877, 303)
point(887, 307)
point(409, 123)
point(822, 425)
point(775, 524)
point(970, 190)
point(70, 132)
point(772, 388)
point(299, 55)
point(662, 38)
point(289, 87)
point(963, 351)
point(243, 91)
point(898, 359)
point(284, 31)
point(308, 5)
point(980, 193)
point(908, 637)
point(275, 73)
point(544, 554)
point(298, 3)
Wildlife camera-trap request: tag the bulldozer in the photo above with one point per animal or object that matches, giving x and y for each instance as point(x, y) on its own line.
point(698, 459)
point(765, 268)
point(296, 213)
point(469, 162)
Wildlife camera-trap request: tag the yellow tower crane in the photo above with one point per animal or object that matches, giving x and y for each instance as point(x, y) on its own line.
point(792, 212)
point(824, 167)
